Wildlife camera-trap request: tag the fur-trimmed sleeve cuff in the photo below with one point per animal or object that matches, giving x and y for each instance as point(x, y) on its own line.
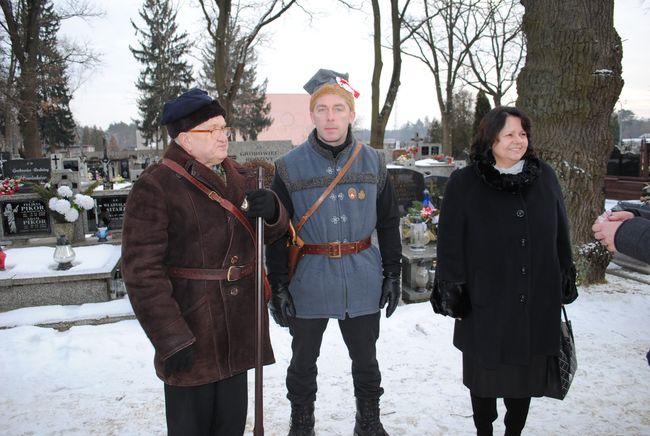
point(450, 299)
point(569, 289)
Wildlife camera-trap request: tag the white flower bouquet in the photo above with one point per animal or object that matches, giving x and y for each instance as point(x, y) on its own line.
point(64, 204)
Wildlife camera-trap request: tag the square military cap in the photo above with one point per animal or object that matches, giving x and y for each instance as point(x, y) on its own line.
point(323, 77)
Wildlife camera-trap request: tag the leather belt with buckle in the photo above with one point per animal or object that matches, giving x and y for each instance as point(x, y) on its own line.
point(335, 250)
point(232, 274)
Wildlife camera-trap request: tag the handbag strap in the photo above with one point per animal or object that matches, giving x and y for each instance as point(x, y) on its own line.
point(327, 191)
point(566, 318)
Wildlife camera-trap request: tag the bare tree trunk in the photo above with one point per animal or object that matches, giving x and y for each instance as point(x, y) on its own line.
point(270, 11)
point(569, 85)
point(380, 118)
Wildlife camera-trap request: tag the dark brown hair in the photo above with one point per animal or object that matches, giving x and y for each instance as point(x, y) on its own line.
point(489, 128)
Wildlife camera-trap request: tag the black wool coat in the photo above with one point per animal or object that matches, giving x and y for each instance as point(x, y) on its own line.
point(505, 239)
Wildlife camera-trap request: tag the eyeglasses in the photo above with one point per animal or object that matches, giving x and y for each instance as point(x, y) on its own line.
point(216, 131)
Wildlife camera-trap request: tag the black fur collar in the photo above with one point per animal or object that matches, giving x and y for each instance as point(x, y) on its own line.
point(508, 182)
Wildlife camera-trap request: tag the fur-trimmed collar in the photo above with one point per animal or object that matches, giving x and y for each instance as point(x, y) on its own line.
point(508, 182)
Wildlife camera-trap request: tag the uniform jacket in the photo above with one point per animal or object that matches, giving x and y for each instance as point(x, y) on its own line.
point(169, 222)
point(505, 239)
point(324, 287)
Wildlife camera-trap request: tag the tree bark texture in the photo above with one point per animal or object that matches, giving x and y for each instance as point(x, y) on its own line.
point(23, 28)
point(380, 117)
point(569, 85)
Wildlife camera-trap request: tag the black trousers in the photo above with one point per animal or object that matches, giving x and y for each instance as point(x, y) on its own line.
point(360, 335)
point(485, 412)
point(214, 409)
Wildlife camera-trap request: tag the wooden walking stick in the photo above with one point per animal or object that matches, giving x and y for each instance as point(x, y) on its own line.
point(260, 306)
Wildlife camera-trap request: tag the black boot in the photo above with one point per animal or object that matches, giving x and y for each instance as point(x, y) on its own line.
point(367, 418)
point(302, 420)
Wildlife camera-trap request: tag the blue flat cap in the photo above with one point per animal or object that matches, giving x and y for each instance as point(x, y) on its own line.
point(189, 110)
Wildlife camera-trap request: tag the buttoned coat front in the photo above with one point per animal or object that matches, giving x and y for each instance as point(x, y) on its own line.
point(511, 250)
point(170, 223)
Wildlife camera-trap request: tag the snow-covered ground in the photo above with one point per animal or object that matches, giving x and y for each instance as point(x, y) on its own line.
point(99, 380)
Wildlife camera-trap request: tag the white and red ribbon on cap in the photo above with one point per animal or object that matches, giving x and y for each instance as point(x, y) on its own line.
point(345, 85)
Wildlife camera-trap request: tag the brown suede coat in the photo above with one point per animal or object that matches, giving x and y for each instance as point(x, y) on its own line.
point(169, 222)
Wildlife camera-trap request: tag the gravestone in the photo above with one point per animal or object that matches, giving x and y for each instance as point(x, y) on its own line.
point(269, 151)
point(109, 206)
point(124, 169)
point(56, 161)
point(409, 186)
point(33, 170)
point(67, 178)
point(269, 170)
point(24, 216)
point(72, 164)
point(4, 158)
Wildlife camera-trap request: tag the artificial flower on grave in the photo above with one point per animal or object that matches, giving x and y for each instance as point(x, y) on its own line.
point(65, 206)
point(407, 157)
point(11, 186)
point(428, 214)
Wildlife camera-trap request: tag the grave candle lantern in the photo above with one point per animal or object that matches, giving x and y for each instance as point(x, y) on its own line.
point(63, 253)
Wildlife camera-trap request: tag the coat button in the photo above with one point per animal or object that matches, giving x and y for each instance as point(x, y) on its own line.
point(523, 242)
point(520, 213)
point(522, 298)
point(234, 260)
point(524, 271)
point(234, 292)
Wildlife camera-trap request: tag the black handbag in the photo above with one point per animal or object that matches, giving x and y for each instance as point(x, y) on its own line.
point(562, 368)
point(450, 299)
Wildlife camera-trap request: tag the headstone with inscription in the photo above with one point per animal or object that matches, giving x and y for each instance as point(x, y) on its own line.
point(269, 151)
point(409, 186)
point(33, 170)
point(109, 208)
point(24, 216)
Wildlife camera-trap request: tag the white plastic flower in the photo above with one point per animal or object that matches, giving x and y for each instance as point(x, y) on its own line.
point(62, 206)
point(52, 203)
point(64, 191)
point(71, 215)
point(84, 201)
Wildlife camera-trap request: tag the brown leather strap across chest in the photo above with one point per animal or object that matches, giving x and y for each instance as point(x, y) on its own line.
point(336, 249)
point(234, 273)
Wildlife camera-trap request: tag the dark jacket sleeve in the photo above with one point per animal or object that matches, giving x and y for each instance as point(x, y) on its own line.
point(633, 238)
point(451, 258)
point(276, 252)
point(390, 242)
point(565, 253)
point(144, 246)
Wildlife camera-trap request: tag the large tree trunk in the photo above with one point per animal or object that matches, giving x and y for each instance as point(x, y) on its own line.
point(28, 116)
point(569, 85)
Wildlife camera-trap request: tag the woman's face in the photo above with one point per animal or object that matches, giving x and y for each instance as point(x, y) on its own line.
point(511, 143)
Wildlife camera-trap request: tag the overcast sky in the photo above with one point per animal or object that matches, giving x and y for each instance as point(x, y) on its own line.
point(294, 49)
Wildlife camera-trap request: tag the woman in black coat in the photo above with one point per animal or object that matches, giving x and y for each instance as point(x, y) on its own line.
point(504, 240)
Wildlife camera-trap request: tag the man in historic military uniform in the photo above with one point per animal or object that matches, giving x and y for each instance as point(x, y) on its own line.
point(341, 274)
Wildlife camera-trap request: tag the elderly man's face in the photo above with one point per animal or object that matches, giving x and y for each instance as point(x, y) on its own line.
point(207, 142)
point(331, 117)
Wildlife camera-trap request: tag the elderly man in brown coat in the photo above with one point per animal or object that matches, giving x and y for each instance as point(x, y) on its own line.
point(189, 264)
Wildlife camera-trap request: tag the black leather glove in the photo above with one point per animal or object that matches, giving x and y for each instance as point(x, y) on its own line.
point(180, 361)
point(262, 204)
point(281, 305)
point(390, 292)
